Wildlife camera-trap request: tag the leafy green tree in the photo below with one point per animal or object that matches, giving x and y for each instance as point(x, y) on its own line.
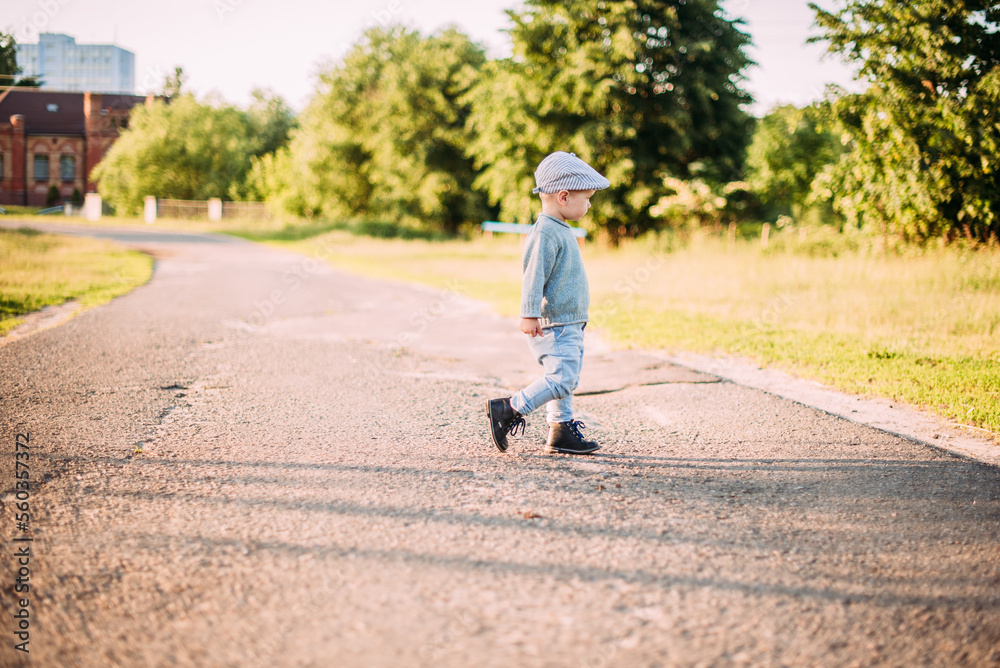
point(925, 150)
point(271, 121)
point(8, 59)
point(790, 147)
point(180, 149)
point(9, 70)
point(385, 135)
point(271, 179)
point(690, 203)
point(641, 89)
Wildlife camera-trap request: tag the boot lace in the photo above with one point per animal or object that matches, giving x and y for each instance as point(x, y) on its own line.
point(575, 426)
point(516, 423)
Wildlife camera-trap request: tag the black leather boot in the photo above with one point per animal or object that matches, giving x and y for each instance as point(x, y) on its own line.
point(504, 420)
point(565, 437)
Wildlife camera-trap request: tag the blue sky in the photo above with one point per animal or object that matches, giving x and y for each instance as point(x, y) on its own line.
point(231, 46)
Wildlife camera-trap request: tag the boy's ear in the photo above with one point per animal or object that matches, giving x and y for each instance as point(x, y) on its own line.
point(562, 197)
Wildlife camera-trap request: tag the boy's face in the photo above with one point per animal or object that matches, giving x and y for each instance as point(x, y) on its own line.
point(574, 204)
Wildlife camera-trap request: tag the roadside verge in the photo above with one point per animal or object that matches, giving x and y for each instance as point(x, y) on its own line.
point(891, 417)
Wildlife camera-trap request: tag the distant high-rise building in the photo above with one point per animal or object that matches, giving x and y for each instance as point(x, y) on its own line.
point(64, 65)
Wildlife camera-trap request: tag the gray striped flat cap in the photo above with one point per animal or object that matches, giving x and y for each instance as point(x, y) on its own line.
point(564, 171)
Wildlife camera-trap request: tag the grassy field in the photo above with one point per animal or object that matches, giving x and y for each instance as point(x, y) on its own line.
point(38, 270)
point(920, 327)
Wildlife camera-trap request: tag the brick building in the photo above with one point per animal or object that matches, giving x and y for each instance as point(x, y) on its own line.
point(52, 138)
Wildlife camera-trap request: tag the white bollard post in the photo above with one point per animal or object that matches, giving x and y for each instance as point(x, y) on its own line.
point(215, 209)
point(149, 209)
point(92, 206)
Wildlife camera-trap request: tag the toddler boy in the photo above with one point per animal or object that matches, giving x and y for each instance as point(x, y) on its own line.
point(555, 299)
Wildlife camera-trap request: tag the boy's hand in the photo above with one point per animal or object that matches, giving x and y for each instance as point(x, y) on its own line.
point(532, 327)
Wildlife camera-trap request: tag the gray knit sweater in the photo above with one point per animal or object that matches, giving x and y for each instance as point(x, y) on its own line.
point(554, 284)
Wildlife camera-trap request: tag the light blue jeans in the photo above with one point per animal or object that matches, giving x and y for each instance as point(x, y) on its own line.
point(560, 352)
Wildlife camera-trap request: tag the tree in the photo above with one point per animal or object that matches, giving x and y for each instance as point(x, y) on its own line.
point(385, 135)
point(641, 89)
point(271, 121)
point(790, 147)
point(689, 204)
point(269, 179)
point(9, 70)
point(173, 84)
point(180, 149)
point(925, 150)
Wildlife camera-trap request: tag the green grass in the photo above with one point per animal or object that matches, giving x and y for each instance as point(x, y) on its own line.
point(915, 326)
point(281, 231)
point(38, 270)
point(17, 211)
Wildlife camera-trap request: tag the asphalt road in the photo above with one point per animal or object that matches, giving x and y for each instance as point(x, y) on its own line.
point(257, 460)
